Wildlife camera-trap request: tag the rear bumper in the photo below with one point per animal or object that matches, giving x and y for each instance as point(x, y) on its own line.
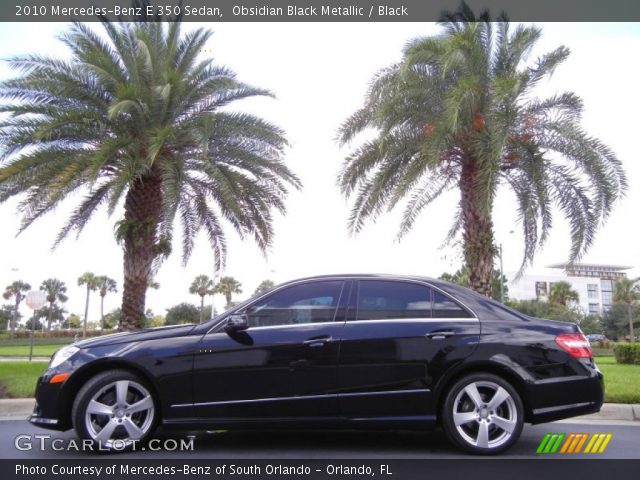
point(565, 398)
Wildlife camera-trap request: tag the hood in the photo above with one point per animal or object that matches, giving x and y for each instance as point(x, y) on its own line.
point(137, 336)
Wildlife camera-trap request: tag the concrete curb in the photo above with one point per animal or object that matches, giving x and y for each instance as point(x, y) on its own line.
point(21, 408)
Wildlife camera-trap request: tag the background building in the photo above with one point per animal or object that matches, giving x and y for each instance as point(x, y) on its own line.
point(594, 284)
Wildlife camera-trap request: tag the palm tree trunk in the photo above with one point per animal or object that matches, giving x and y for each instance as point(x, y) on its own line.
point(15, 317)
point(143, 207)
point(86, 313)
point(477, 230)
point(102, 312)
point(201, 307)
point(49, 315)
point(632, 337)
point(227, 296)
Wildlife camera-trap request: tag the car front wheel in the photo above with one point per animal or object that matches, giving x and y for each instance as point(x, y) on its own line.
point(482, 414)
point(115, 410)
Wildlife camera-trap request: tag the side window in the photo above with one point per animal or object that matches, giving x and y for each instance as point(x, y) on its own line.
point(305, 303)
point(378, 300)
point(444, 307)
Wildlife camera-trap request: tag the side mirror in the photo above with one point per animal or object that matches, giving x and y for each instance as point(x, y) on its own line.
point(237, 323)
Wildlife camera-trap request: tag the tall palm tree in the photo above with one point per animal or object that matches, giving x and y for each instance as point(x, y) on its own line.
point(459, 112)
point(91, 283)
point(202, 285)
point(627, 292)
point(227, 286)
point(16, 290)
point(138, 117)
point(56, 292)
point(562, 293)
point(264, 286)
point(105, 285)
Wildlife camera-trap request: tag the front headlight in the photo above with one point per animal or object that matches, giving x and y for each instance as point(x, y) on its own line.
point(63, 354)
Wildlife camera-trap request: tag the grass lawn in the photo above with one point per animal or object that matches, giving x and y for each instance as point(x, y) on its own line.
point(621, 382)
point(18, 379)
point(23, 350)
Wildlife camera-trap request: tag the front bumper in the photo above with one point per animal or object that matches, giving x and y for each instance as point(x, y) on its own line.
point(47, 412)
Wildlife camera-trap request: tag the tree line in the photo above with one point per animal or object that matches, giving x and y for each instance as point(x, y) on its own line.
point(56, 296)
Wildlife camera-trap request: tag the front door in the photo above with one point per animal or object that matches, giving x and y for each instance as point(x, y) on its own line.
point(283, 365)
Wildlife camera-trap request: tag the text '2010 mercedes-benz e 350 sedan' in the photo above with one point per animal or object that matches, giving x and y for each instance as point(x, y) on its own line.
point(343, 351)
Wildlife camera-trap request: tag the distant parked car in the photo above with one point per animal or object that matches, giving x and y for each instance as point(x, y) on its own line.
point(343, 351)
point(596, 337)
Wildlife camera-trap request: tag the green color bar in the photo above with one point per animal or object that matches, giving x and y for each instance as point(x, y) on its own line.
point(543, 443)
point(550, 443)
point(554, 449)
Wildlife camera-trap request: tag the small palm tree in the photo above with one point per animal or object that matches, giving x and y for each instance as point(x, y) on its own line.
point(561, 293)
point(16, 290)
point(202, 285)
point(91, 282)
point(52, 313)
point(459, 111)
point(227, 286)
point(105, 285)
point(56, 292)
point(264, 286)
point(627, 292)
point(136, 117)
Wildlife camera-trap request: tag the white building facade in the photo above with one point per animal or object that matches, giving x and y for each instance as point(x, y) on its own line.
point(594, 284)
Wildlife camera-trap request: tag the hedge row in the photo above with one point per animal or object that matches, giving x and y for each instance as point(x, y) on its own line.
point(627, 353)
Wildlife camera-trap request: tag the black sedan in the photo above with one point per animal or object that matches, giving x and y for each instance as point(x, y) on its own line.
point(343, 351)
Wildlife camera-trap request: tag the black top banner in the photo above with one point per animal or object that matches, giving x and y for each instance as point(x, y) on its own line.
point(312, 10)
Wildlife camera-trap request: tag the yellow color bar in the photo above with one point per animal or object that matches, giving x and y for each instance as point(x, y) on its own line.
point(607, 439)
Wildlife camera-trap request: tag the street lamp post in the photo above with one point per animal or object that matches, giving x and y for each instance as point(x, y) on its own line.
point(35, 300)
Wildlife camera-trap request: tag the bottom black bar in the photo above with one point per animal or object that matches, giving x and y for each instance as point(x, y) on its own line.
point(472, 468)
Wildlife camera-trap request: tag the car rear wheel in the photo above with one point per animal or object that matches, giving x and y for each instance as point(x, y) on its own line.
point(482, 414)
point(115, 410)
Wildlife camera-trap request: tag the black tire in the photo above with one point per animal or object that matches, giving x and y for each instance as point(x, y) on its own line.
point(100, 415)
point(488, 411)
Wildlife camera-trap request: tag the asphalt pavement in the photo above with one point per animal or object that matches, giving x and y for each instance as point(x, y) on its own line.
point(625, 444)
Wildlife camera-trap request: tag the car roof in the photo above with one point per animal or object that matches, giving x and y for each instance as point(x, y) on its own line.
point(483, 307)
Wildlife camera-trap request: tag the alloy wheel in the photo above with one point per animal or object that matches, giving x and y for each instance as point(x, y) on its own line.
point(119, 413)
point(485, 414)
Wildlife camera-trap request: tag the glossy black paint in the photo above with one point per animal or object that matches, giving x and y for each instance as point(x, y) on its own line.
point(368, 373)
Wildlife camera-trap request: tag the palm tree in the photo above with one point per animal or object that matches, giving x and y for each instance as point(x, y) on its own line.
point(135, 117)
point(91, 282)
point(16, 290)
point(202, 285)
point(561, 293)
point(55, 290)
point(105, 285)
point(51, 313)
point(459, 112)
point(264, 286)
point(627, 292)
point(227, 286)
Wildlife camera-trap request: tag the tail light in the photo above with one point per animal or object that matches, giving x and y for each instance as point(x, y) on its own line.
point(576, 344)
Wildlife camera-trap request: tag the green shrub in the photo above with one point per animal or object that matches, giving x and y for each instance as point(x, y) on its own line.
point(627, 353)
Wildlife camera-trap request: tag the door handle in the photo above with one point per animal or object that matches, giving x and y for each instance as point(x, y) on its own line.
point(439, 335)
point(317, 342)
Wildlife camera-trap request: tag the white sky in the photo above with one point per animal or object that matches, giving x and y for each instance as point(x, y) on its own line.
point(319, 73)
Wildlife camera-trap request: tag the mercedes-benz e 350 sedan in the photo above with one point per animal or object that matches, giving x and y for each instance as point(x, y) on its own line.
point(344, 351)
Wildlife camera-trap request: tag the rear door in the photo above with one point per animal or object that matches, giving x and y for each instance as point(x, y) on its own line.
point(400, 336)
